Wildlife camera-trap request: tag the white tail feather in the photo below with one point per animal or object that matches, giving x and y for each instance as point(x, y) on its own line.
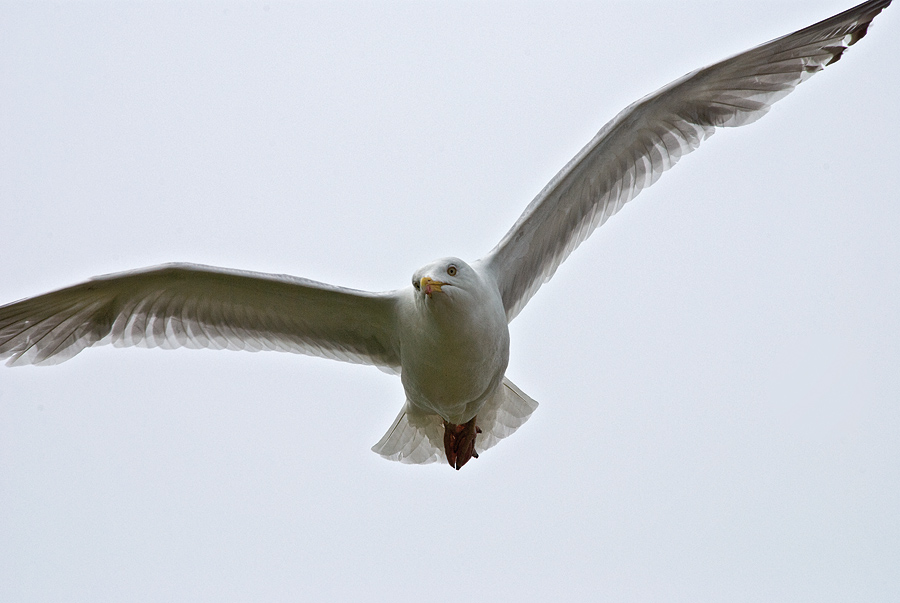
point(417, 437)
point(414, 438)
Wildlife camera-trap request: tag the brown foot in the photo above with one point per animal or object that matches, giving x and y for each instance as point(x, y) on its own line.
point(459, 442)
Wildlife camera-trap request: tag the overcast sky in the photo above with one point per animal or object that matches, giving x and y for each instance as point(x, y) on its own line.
point(717, 366)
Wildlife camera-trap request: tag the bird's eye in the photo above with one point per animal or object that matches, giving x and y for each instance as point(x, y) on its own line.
point(451, 270)
point(415, 283)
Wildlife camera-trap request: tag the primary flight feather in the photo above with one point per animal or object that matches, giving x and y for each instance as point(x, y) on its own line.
point(445, 334)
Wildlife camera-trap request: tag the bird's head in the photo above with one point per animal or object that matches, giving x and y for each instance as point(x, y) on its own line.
point(444, 277)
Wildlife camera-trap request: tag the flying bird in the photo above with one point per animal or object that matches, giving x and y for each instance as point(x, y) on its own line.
point(445, 334)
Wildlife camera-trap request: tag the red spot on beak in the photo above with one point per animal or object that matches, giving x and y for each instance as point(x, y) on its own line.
point(429, 285)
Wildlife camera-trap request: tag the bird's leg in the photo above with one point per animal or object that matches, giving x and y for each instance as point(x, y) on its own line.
point(459, 442)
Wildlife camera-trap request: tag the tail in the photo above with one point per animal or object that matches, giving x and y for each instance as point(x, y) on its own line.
point(418, 438)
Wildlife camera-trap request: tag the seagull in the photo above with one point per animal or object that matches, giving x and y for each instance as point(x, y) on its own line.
point(446, 333)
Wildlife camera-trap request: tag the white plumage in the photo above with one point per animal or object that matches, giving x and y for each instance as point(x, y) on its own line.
point(446, 334)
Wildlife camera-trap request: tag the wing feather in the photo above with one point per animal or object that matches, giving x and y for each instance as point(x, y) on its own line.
point(185, 305)
point(632, 151)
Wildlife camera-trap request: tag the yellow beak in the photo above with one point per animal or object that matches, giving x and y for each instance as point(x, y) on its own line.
point(429, 285)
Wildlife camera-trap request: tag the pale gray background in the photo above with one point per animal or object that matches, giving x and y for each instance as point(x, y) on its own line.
point(717, 366)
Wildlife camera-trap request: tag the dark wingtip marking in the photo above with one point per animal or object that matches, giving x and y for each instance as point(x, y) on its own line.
point(838, 53)
point(859, 34)
point(854, 37)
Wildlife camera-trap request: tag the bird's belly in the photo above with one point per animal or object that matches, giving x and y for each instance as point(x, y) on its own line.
point(453, 376)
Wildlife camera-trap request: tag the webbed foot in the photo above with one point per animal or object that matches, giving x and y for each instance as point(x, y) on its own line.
point(459, 442)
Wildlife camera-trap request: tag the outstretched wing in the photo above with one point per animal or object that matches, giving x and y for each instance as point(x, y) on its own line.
point(650, 136)
point(185, 305)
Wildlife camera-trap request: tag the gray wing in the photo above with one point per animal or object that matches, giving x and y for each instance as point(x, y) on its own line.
point(650, 136)
point(185, 305)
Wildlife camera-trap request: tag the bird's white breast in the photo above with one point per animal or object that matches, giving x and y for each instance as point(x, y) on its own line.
point(454, 349)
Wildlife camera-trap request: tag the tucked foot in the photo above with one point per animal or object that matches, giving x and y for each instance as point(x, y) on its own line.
point(459, 442)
